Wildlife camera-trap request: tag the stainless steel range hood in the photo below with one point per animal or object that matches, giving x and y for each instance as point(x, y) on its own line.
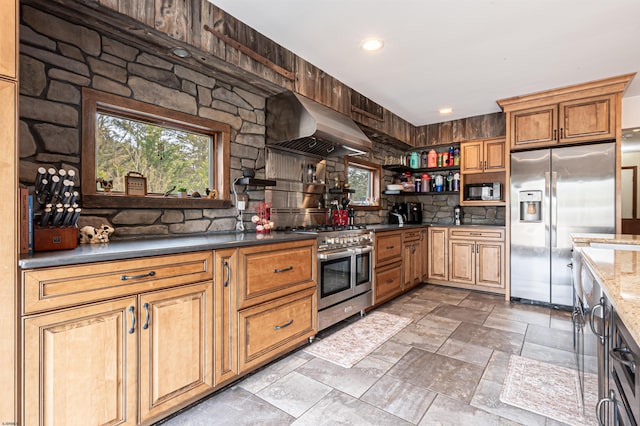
point(299, 124)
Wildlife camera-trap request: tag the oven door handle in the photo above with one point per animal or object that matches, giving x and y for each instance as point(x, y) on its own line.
point(362, 250)
point(335, 255)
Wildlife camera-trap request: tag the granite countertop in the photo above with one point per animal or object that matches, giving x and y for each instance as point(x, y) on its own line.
point(585, 238)
point(393, 227)
point(118, 250)
point(618, 273)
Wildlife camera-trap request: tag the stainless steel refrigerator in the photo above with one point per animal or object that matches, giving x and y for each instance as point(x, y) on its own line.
point(555, 192)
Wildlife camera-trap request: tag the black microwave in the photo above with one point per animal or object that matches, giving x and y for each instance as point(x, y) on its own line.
point(490, 191)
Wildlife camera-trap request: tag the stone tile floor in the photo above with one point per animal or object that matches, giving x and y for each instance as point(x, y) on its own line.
point(445, 368)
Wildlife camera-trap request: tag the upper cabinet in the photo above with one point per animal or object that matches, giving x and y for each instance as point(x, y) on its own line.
point(580, 120)
point(8, 63)
point(581, 113)
point(483, 156)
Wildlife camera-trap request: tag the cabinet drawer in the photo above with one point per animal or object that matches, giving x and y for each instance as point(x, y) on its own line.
point(268, 272)
point(388, 247)
point(270, 329)
point(477, 234)
point(52, 288)
point(388, 282)
point(413, 235)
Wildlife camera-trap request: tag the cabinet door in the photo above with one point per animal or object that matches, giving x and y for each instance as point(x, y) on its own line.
point(462, 261)
point(226, 336)
point(388, 282)
point(388, 247)
point(8, 39)
point(490, 264)
point(80, 366)
point(176, 347)
point(534, 127)
point(494, 156)
point(471, 157)
point(424, 255)
point(438, 262)
point(588, 119)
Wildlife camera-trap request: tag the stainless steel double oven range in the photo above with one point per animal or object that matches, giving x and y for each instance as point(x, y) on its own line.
point(345, 272)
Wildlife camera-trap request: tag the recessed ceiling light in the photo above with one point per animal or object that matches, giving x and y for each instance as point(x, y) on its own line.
point(181, 52)
point(372, 44)
point(636, 130)
point(445, 111)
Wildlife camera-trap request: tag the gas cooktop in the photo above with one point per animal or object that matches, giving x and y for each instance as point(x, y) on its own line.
point(316, 229)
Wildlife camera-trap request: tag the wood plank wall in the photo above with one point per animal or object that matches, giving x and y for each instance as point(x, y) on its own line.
point(479, 127)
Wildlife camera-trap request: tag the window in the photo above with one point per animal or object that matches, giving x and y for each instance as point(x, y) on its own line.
point(168, 157)
point(170, 148)
point(364, 178)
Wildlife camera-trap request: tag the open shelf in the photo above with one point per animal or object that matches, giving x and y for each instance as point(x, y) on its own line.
point(404, 169)
point(420, 193)
point(255, 182)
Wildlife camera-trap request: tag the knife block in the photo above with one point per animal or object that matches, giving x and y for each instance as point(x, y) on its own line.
point(47, 239)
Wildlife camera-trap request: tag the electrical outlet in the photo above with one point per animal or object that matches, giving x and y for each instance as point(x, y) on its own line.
point(241, 205)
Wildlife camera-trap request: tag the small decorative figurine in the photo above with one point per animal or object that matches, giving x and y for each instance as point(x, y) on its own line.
point(106, 185)
point(91, 235)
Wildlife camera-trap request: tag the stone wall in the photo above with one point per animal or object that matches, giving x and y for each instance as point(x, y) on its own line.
point(58, 58)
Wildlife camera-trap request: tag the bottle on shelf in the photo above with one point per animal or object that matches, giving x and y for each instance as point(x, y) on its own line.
point(426, 184)
point(414, 160)
point(451, 156)
point(439, 183)
point(456, 181)
point(456, 157)
point(449, 184)
point(417, 184)
point(424, 159)
point(432, 159)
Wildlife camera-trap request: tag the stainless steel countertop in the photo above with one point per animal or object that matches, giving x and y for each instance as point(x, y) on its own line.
point(118, 250)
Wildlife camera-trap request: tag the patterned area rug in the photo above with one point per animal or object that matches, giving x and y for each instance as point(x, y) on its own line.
point(354, 342)
point(550, 390)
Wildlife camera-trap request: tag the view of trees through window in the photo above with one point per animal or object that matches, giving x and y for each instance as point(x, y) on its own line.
point(360, 180)
point(166, 156)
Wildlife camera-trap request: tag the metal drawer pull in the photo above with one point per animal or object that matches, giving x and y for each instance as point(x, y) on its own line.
point(228, 270)
point(135, 277)
point(390, 247)
point(475, 233)
point(133, 319)
point(615, 354)
point(600, 404)
point(287, 324)
point(288, 268)
point(146, 319)
point(591, 319)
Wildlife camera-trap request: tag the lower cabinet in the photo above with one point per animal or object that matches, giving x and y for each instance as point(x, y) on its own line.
point(175, 329)
point(81, 364)
point(467, 257)
point(388, 282)
point(412, 258)
point(438, 261)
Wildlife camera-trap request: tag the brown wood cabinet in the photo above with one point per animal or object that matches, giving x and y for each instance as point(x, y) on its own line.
point(91, 368)
point(438, 249)
point(476, 257)
point(277, 303)
point(80, 365)
point(412, 258)
point(388, 274)
point(579, 120)
point(8, 64)
point(483, 156)
point(176, 347)
point(225, 363)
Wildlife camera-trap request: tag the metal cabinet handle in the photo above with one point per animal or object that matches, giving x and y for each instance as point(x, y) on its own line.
point(390, 247)
point(288, 268)
point(601, 404)
point(146, 319)
point(591, 321)
point(615, 354)
point(287, 324)
point(485, 166)
point(133, 319)
point(555, 134)
point(135, 277)
point(227, 269)
point(475, 233)
point(561, 133)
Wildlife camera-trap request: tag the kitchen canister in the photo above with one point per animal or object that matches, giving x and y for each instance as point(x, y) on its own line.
point(414, 160)
point(432, 158)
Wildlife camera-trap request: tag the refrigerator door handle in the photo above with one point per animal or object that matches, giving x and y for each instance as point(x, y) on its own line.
point(554, 209)
point(546, 208)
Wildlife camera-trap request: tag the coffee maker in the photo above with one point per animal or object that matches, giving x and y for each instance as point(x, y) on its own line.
point(405, 213)
point(414, 212)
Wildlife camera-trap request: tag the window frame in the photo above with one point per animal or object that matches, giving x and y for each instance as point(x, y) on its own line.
point(94, 101)
point(376, 171)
